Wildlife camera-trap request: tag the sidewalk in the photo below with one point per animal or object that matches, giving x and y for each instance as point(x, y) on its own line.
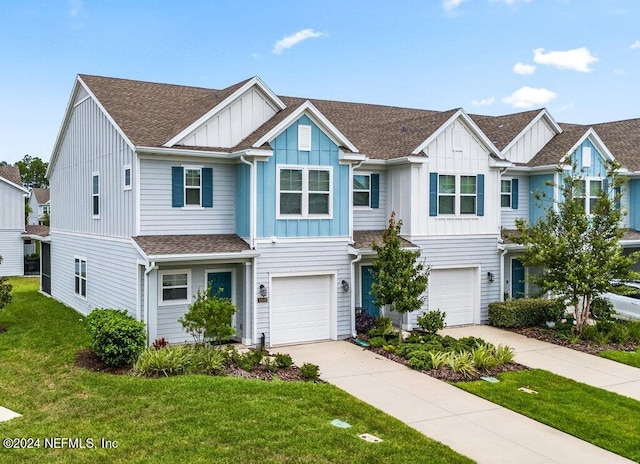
point(586, 368)
point(470, 425)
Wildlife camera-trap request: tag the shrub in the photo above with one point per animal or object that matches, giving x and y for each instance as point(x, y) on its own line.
point(383, 326)
point(504, 354)
point(601, 308)
point(249, 360)
point(462, 363)
point(377, 342)
point(310, 372)
point(484, 357)
point(439, 359)
point(420, 360)
point(160, 343)
point(470, 343)
point(165, 361)
point(117, 338)
point(619, 333)
point(209, 318)
point(283, 360)
point(205, 360)
point(432, 321)
point(364, 321)
point(524, 312)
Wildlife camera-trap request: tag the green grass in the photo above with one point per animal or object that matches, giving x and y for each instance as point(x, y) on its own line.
point(631, 358)
point(180, 419)
point(597, 416)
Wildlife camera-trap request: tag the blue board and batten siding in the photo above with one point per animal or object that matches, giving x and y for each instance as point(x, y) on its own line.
point(541, 190)
point(324, 152)
point(243, 202)
point(597, 168)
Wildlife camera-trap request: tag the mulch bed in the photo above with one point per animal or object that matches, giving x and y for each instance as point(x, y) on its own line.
point(87, 359)
point(445, 373)
point(550, 336)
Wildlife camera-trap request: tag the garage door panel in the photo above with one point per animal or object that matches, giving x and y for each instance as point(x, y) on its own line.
point(453, 291)
point(300, 309)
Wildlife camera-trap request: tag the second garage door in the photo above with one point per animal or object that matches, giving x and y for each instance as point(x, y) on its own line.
point(454, 291)
point(300, 309)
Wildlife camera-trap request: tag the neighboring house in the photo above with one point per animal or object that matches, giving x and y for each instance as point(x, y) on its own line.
point(39, 205)
point(12, 199)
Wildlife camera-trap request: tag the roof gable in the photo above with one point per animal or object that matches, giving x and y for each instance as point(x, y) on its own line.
point(592, 136)
point(11, 176)
point(42, 195)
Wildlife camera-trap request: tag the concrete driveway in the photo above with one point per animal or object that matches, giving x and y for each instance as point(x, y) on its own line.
point(470, 425)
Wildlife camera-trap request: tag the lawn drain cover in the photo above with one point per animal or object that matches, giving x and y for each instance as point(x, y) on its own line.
point(489, 379)
point(370, 438)
point(362, 343)
point(339, 423)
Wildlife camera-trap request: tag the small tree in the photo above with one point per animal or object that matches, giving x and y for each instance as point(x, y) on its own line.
point(209, 318)
point(5, 290)
point(579, 253)
point(398, 281)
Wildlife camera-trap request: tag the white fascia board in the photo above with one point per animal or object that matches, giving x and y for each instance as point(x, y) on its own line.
point(19, 187)
point(243, 255)
point(596, 140)
point(33, 237)
point(407, 160)
point(317, 117)
point(542, 114)
point(472, 125)
point(222, 105)
point(67, 116)
point(342, 156)
point(254, 152)
point(493, 163)
point(551, 168)
point(182, 152)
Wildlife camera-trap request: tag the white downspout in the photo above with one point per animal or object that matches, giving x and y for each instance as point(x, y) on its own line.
point(148, 268)
point(353, 295)
point(252, 202)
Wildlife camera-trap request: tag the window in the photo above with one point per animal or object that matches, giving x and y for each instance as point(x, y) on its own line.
point(446, 194)
point(588, 190)
point(468, 192)
point(304, 191)
point(456, 194)
point(80, 277)
point(175, 287)
point(505, 193)
point(361, 190)
point(95, 195)
point(192, 187)
point(126, 177)
point(45, 209)
point(304, 137)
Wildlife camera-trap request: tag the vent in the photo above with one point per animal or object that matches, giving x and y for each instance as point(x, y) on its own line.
point(304, 138)
point(586, 157)
point(457, 140)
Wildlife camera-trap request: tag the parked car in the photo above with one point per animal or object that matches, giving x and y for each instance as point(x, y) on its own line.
point(625, 299)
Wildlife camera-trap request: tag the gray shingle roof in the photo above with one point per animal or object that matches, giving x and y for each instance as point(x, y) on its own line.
point(559, 145)
point(41, 231)
point(622, 138)
point(365, 238)
point(501, 130)
point(162, 245)
point(12, 174)
point(42, 195)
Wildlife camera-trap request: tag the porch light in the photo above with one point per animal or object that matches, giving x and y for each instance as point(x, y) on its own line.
point(490, 276)
point(345, 286)
point(263, 290)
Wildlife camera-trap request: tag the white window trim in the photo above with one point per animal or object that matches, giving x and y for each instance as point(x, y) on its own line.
point(161, 301)
point(184, 186)
point(458, 195)
point(587, 191)
point(124, 177)
point(353, 190)
point(304, 135)
point(305, 191)
point(95, 195)
point(86, 280)
point(504, 193)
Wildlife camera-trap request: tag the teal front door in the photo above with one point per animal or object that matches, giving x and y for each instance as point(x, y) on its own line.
point(517, 278)
point(366, 279)
point(220, 283)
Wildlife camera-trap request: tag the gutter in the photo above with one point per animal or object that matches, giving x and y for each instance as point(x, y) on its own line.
point(204, 257)
point(147, 270)
point(252, 201)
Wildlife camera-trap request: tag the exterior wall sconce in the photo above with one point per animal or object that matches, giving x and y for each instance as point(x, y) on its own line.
point(263, 290)
point(345, 286)
point(490, 276)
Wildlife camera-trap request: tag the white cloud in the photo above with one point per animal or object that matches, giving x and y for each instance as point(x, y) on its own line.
point(578, 59)
point(619, 72)
point(635, 45)
point(483, 102)
point(521, 68)
point(294, 39)
point(527, 97)
point(450, 5)
point(75, 8)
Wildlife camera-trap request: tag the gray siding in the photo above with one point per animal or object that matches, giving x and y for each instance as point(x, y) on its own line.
point(509, 215)
point(92, 144)
point(369, 218)
point(460, 252)
point(305, 258)
point(158, 217)
point(12, 251)
point(11, 228)
point(35, 210)
point(112, 272)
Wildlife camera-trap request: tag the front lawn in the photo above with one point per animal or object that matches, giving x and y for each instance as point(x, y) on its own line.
point(631, 358)
point(597, 416)
point(178, 419)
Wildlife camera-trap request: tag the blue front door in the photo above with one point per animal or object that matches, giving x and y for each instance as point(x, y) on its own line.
point(517, 278)
point(367, 298)
point(220, 283)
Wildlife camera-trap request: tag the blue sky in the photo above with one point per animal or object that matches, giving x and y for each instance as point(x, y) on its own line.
point(578, 58)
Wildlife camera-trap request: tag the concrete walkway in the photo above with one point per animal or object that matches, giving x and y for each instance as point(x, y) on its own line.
point(586, 368)
point(472, 426)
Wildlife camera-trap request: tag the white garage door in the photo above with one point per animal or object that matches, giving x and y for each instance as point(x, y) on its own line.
point(454, 291)
point(300, 309)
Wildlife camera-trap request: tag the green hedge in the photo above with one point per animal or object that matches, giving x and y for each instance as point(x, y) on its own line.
point(524, 312)
point(116, 338)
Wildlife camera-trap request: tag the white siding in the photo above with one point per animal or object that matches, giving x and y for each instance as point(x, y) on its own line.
point(473, 159)
point(11, 228)
point(306, 258)
point(158, 217)
point(233, 123)
point(530, 143)
point(12, 252)
point(111, 272)
point(481, 252)
point(91, 144)
point(509, 215)
point(32, 219)
point(372, 218)
point(400, 196)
